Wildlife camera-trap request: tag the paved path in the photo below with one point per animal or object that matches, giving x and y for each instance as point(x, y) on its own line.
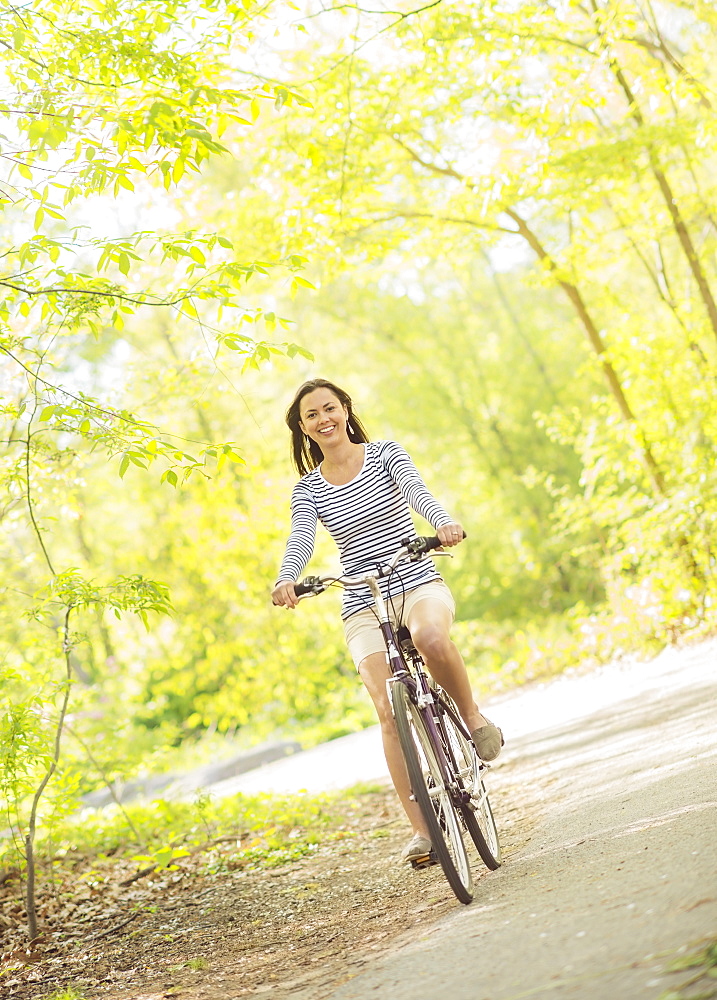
point(617, 770)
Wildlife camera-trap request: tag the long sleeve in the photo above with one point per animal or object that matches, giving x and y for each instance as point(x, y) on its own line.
point(300, 544)
point(404, 473)
point(367, 518)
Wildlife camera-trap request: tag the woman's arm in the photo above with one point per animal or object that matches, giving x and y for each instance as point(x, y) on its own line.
point(299, 545)
point(404, 473)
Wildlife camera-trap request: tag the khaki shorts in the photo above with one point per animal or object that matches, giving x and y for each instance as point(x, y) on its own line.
point(363, 635)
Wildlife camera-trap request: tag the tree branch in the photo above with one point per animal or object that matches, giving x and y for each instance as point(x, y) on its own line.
point(429, 165)
point(144, 299)
point(30, 836)
point(28, 496)
point(367, 41)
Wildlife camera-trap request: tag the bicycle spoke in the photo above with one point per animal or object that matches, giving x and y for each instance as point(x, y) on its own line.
point(477, 813)
point(430, 792)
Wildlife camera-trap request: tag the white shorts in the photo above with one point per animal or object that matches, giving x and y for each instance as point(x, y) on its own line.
point(363, 635)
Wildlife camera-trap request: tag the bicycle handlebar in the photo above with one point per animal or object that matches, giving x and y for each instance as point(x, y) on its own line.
point(411, 548)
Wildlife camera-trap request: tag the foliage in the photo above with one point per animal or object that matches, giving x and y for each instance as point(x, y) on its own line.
point(259, 831)
point(69, 993)
point(702, 963)
point(539, 270)
point(101, 99)
point(501, 220)
point(81, 127)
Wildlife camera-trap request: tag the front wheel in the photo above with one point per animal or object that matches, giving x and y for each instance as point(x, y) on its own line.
point(485, 836)
point(431, 792)
point(477, 813)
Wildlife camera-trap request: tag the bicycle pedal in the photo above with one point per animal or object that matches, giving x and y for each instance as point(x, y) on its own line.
point(425, 861)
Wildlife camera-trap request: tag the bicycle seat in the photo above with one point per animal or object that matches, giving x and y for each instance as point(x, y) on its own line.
point(405, 641)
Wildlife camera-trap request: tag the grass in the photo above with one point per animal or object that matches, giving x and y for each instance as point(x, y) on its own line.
point(217, 836)
point(162, 826)
point(68, 993)
point(701, 984)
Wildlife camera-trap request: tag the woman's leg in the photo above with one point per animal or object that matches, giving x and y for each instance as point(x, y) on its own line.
point(429, 622)
point(374, 673)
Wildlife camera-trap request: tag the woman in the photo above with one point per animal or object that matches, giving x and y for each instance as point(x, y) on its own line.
point(361, 492)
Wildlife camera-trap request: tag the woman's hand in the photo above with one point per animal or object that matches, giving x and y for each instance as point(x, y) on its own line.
point(450, 534)
point(284, 594)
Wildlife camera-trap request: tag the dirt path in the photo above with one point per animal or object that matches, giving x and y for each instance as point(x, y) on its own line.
point(621, 868)
point(606, 799)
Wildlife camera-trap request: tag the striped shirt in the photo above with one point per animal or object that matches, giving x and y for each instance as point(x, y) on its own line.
point(367, 518)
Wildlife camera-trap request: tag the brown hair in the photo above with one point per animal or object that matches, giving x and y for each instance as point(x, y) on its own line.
point(305, 452)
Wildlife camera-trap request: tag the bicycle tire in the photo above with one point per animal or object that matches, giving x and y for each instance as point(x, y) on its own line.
point(477, 814)
point(434, 799)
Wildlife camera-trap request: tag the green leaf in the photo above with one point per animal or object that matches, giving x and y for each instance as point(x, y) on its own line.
point(296, 349)
point(178, 169)
point(124, 465)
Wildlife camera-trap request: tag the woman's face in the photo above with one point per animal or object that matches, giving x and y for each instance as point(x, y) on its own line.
point(323, 417)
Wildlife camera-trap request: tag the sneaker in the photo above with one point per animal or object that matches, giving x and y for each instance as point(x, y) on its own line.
point(418, 847)
point(488, 740)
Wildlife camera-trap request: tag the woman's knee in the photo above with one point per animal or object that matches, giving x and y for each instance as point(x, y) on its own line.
point(374, 673)
point(432, 641)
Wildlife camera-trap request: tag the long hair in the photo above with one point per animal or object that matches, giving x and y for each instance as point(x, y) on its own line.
point(305, 452)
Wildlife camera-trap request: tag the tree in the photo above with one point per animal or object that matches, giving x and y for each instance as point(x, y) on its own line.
point(566, 150)
point(105, 98)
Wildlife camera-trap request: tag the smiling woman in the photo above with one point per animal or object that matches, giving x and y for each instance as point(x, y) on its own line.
point(362, 492)
point(307, 450)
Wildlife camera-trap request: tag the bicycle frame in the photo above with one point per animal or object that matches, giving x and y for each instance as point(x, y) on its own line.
point(421, 692)
point(418, 685)
point(444, 770)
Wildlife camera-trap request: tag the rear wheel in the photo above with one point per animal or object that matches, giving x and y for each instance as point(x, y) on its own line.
point(477, 813)
point(445, 824)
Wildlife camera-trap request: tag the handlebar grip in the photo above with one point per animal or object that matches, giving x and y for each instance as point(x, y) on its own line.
point(424, 543)
point(309, 585)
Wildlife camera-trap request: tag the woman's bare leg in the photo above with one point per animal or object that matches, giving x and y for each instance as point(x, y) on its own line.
point(374, 673)
point(429, 622)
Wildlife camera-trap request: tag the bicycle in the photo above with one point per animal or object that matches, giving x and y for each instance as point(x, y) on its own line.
point(445, 772)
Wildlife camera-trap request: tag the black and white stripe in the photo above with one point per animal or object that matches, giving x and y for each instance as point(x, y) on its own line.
point(367, 518)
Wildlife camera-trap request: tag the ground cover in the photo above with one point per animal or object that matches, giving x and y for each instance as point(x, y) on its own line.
point(316, 883)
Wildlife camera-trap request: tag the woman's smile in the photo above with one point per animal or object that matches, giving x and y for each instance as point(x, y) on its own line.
point(322, 415)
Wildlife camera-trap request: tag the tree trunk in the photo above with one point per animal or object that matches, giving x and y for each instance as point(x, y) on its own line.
point(596, 341)
point(678, 223)
point(598, 345)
